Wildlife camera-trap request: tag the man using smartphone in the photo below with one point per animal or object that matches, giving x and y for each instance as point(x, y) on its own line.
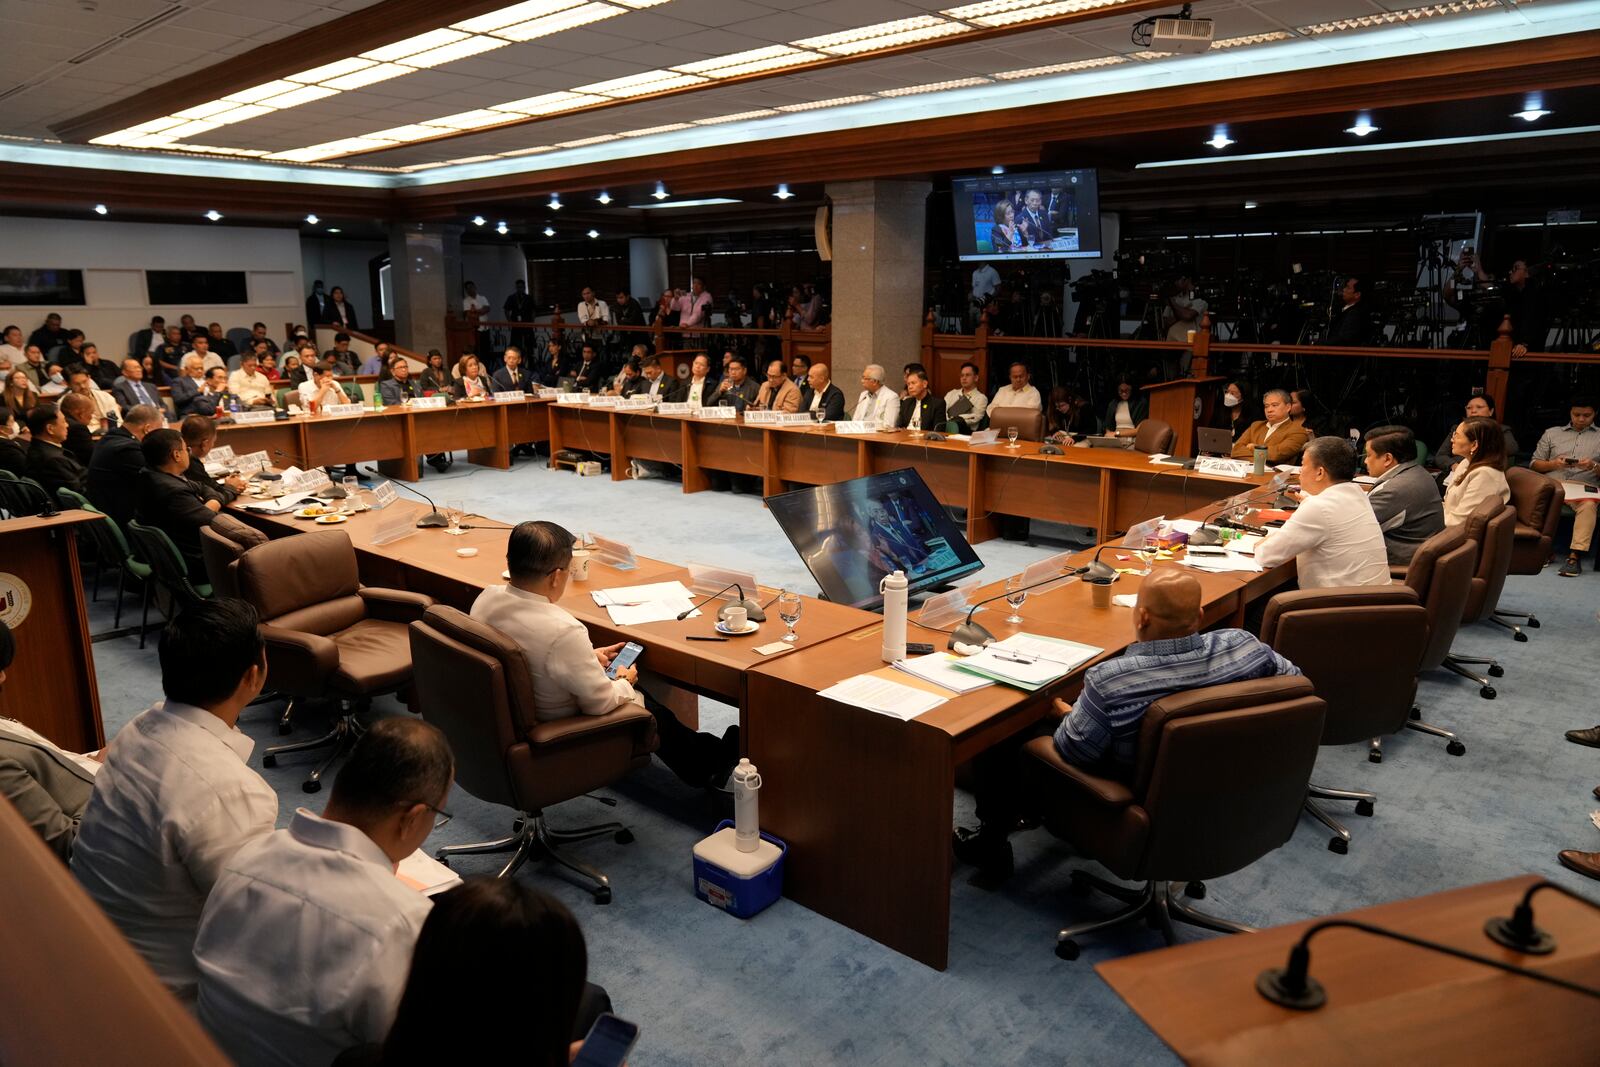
point(1571, 454)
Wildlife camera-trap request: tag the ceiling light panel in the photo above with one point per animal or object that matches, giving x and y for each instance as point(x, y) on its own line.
point(293, 98)
point(549, 103)
point(403, 134)
point(450, 53)
point(511, 16)
point(206, 110)
point(585, 141)
point(572, 18)
point(328, 71)
point(411, 46)
point(738, 116)
point(258, 92)
point(651, 81)
point(775, 57)
point(935, 87)
point(1396, 18)
point(471, 120)
point(370, 76)
point(817, 105)
point(883, 35)
point(1012, 12)
point(670, 127)
point(1061, 68)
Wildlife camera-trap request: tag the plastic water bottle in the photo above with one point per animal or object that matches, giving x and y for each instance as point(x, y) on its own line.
point(893, 588)
point(746, 784)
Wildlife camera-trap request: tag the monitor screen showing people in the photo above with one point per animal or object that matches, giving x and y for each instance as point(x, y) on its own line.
point(1027, 216)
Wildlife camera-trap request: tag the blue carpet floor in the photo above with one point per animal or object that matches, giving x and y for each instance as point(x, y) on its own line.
point(791, 987)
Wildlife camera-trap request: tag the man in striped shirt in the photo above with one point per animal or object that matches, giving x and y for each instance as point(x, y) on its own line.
point(1169, 655)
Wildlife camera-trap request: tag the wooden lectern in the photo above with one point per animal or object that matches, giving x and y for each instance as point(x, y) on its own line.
point(51, 685)
point(1175, 402)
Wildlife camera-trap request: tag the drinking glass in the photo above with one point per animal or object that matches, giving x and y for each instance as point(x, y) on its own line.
point(455, 511)
point(789, 605)
point(351, 485)
point(1011, 437)
point(819, 415)
point(1015, 595)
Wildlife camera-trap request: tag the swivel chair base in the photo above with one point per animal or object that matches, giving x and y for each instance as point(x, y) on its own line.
point(1340, 841)
point(347, 730)
point(531, 836)
point(1455, 747)
point(1458, 665)
point(1502, 618)
point(1156, 902)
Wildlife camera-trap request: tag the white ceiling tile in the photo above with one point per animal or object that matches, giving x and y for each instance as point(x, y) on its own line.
point(645, 25)
point(714, 13)
point(785, 27)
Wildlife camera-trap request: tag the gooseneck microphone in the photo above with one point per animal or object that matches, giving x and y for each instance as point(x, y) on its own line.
point(753, 611)
point(1206, 538)
point(434, 518)
point(1518, 932)
point(335, 491)
point(1292, 986)
point(974, 633)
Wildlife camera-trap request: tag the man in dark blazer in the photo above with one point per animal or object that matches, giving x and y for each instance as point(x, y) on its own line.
point(132, 389)
point(113, 479)
point(920, 408)
point(820, 394)
point(78, 410)
point(147, 341)
point(171, 502)
point(188, 386)
point(737, 390)
point(512, 378)
point(49, 463)
point(316, 306)
point(13, 453)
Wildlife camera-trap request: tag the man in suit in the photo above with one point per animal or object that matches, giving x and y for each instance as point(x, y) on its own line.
point(13, 453)
point(169, 501)
point(1283, 437)
point(147, 341)
point(200, 434)
point(50, 334)
point(316, 306)
point(1035, 222)
point(736, 390)
point(1349, 325)
point(654, 383)
point(820, 394)
point(170, 354)
point(343, 360)
point(78, 410)
point(217, 342)
point(511, 378)
point(48, 786)
point(102, 372)
point(49, 463)
point(1405, 499)
point(400, 386)
point(777, 393)
point(133, 389)
point(587, 375)
point(113, 476)
point(188, 385)
point(920, 409)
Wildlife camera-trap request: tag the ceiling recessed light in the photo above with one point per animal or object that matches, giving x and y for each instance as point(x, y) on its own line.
point(312, 219)
point(334, 229)
point(478, 220)
point(1363, 127)
point(661, 192)
point(1220, 139)
point(1530, 114)
point(594, 233)
point(997, 169)
point(99, 209)
point(549, 231)
point(783, 192)
point(1250, 205)
point(604, 197)
point(555, 201)
point(214, 215)
point(501, 228)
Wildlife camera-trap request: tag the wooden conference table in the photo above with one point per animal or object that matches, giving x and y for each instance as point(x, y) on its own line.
point(864, 801)
point(1387, 1002)
point(1103, 489)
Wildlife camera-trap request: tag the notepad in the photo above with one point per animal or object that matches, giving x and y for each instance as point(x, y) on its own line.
point(425, 874)
point(1029, 661)
point(884, 696)
point(940, 669)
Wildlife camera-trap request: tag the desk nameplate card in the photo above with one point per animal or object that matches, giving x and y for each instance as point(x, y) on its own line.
point(851, 426)
point(512, 396)
point(343, 409)
point(427, 403)
point(572, 398)
point(678, 409)
point(383, 495)
point(728, 413)
point(251, 463)
point(635, 403)
point(251, 418)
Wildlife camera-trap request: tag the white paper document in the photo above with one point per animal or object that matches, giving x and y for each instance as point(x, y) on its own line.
point(425, 874)
point(883, 696)
point(634, 605)
point(1066, 655)
point(1221, 562)
point(939, 669)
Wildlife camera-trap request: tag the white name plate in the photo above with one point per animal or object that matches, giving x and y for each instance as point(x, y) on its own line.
point(310, 481)
point(792, 418)
point(343, 409)
point(572, 398)
point(635, 403)
point(853, 426)
point(604, 401)
point(383, 495)
point(545, 391)
point(985, 437)
point(247, 418)
point(221, 455)
point(728, 413)
point(761, 418)
point(513, 395)
point(250, 464)
point(677, 409)
point(1230, 468)
point(426, 403)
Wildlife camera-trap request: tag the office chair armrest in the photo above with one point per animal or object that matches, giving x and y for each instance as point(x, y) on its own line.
point(298, 662)
point(394, 605)
point(579, 728)
point(1071, 783)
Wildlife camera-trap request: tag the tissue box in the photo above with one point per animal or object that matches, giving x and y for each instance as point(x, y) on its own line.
point(741, 883)
point(590, 468)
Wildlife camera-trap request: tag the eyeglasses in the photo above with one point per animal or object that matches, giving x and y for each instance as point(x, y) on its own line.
point(443, 816)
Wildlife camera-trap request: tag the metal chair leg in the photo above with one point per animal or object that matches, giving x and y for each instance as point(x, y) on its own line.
point(601, 885)
point(1516, 631)
point(504, 844)
point(1529, 619)
point(122, 579)
point(1455, 747)
point(1184, 912)
point(1375, 750)
point(1458, 665)
point(1340, 842)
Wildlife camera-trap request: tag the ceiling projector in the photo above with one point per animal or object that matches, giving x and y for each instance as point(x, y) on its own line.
point(1174, 33)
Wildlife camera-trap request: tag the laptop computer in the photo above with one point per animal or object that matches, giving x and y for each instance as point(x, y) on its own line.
point(1098, 441)
point(1214, 441)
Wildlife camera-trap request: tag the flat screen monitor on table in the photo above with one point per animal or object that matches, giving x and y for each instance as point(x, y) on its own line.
point(850, 534)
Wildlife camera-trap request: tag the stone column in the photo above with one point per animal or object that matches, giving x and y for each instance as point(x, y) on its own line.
point(878, 264)
point(425, 268)
point(647, 270)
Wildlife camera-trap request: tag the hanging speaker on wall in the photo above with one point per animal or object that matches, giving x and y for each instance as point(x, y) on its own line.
point(823, 228)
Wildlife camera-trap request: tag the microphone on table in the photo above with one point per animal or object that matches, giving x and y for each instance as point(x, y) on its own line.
point(434, 518)
point(335, 491)
point(753, 611)
point(975, 633)
point(1292, 986)
point(1518, 932)
point(1206, 538)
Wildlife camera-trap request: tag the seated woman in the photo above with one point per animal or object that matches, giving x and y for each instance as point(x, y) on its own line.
point(1240, 408)
point(1126, 410)
point(473, 383)
point(1004, 235)
point(435, 377)
point(1480, 442)
point(1067, 414)
point(1301, 404)
point(20, 396)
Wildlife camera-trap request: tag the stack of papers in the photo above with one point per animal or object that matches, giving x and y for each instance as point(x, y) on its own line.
point(1221, 562)
point(940, 669)
point(1029, 661)
point(287, 502)
point(425, 874)
point(634, 605)
point(883, 696)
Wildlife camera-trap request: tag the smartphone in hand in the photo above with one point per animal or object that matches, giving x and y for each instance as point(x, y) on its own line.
point(625, 658)
point(609, 1041)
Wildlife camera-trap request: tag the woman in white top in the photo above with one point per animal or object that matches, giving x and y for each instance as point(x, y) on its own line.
point(1481, 444)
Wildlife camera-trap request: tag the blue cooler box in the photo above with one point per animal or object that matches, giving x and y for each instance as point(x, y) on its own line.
point(741, 883)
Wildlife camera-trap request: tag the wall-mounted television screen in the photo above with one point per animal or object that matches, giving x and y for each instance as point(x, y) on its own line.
point(1041, 215)
point(850, 534)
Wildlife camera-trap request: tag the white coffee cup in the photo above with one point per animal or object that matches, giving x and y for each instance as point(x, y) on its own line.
point(579, 567)
point(736, 619)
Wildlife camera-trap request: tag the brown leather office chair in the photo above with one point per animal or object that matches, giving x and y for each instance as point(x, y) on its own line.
point(1152, 436)
point(1538, 501)
point(327, 635)
point(473, 683)
point(1440, 573)
point(1220, 777)
point(219, 554)
point(1315, 629)
point(1492, 527)
point(1029, 423)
